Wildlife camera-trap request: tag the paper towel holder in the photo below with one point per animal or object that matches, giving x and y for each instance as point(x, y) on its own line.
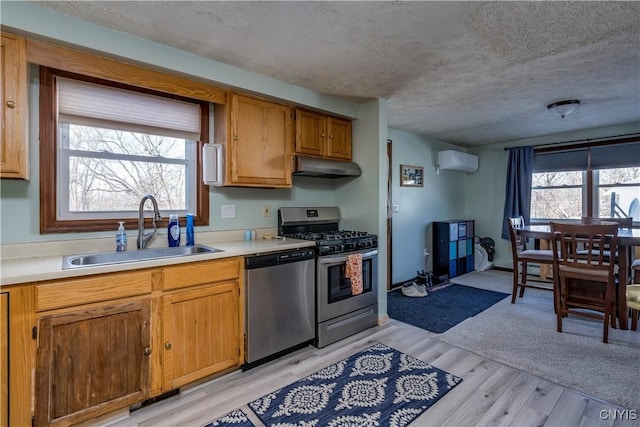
point(212, 164)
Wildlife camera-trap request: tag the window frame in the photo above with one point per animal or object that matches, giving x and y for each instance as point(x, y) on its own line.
point(590, 185)
point(49, 223)
point(583, 192)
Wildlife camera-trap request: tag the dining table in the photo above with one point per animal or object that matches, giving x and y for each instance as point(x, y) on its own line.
point(627, 239)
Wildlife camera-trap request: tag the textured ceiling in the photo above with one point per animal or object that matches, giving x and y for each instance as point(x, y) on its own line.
point(468, 73)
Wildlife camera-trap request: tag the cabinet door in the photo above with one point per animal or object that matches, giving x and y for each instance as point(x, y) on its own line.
point(13, 138)
point(338, 139)
point(260, 146)
point(311, 133)
point(200, 329)
point(4, 359)
point(92, 361)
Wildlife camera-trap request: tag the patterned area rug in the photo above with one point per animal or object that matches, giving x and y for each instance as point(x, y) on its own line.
point(235, 418)
point(379, 386)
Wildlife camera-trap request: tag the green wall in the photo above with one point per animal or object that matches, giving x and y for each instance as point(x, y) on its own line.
point(20, 199)
point(486, 188)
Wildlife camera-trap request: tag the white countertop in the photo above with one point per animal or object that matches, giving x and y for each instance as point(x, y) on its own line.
point(25, 270)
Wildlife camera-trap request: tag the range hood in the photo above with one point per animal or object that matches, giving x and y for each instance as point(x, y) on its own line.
point(325, 168)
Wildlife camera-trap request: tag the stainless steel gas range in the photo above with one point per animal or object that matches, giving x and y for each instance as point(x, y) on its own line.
point(339, 313)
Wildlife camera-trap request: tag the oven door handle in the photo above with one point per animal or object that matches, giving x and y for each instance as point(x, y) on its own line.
point(341, 259)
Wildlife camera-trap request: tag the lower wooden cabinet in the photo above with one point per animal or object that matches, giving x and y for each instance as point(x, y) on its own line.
point(200, 333)
point(4, 359)
point(92, 361)
point(105, 342)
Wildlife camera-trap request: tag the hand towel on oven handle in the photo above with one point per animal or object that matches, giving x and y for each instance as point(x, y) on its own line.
point(353, 271)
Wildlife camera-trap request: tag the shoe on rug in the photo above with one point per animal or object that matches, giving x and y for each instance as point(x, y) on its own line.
point(414, 290)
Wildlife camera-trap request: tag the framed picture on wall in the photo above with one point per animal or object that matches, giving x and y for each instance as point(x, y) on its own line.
point(411, 176)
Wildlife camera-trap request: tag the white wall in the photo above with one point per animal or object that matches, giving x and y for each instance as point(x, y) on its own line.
point(442, 198)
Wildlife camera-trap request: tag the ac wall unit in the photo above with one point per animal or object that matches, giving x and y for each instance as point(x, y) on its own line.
point(457, 161)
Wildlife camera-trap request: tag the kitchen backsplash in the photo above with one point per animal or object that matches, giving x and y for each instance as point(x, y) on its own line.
point(107, 244)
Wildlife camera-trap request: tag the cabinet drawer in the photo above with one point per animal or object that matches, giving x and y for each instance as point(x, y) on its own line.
point(68, 293)
point(200, 273)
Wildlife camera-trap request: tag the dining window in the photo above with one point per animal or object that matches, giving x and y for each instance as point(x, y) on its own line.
point(601, 181)
point(557, 195)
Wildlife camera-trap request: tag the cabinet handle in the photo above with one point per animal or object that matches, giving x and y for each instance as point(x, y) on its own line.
point(167, 345)
point(235, 137)
point(147, 351)
point(322, 134)
point(11, 104)
point(331, 136)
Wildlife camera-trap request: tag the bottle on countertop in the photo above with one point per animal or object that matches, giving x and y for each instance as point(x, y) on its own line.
point(190, 235)
point(174, 230)
point(121, 238)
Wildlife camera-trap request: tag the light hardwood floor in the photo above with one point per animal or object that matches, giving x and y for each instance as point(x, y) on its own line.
point(491, 394)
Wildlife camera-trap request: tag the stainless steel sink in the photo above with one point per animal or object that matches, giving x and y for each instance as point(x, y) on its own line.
point(91, 260)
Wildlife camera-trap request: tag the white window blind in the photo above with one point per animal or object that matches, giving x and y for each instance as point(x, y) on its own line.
point(92, 104)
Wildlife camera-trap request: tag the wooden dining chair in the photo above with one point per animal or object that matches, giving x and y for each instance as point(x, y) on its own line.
point(586, 281)
point(626, 222)
point(522, 257)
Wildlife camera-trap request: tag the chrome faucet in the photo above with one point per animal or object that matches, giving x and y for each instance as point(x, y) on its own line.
point(143, 239)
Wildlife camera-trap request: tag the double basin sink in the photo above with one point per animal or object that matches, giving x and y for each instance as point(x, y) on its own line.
point(92, 260)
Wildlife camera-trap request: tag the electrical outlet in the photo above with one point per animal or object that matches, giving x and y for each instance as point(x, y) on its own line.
point(228, 211)
point(266, 210)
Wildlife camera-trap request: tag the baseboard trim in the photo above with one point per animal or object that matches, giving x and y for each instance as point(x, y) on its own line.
point(382, 320)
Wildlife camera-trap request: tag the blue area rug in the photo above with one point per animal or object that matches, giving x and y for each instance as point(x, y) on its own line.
point(379, 386)
point(235, 418)
point(441, 309)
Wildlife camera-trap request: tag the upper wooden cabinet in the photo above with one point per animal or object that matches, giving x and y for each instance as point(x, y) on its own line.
point(322, 136)
point(14, 145)
point(257, 136)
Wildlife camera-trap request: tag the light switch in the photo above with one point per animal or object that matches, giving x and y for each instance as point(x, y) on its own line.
point(228, 211)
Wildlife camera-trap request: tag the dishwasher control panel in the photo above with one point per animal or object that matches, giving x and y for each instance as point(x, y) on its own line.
point(277, 258)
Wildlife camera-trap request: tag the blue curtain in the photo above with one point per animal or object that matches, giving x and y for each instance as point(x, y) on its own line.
point(517, 201)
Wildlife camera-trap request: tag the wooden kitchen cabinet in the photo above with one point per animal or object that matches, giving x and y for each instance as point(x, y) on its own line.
point(84, 347)
point(322, 136)
point(257, 135)
point(200, 333)
point(14, 156)
point(94, 345)
point(202, 321)
point(4, 359)
point(91, 361)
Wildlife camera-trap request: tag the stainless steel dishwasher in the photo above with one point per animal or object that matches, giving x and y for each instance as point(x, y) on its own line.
point(280, 302)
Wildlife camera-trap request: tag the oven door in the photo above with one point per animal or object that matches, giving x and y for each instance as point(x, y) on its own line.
point(334, 296)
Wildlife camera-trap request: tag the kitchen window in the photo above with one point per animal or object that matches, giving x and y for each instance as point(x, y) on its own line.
point(109, 145)
point(599, 181)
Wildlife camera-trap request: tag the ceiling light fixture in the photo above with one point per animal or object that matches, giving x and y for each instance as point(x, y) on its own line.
point(562, 108)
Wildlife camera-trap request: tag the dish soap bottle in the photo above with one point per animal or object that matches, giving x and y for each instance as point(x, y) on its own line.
point(190, 236)
point(121, 238)
point(174, 231)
